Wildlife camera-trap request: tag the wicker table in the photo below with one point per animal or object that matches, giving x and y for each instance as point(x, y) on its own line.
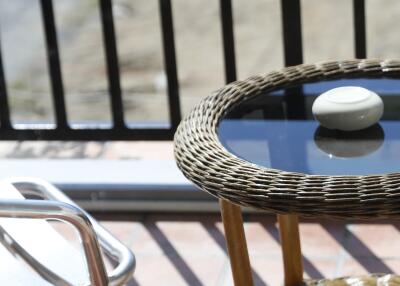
point(254, 143)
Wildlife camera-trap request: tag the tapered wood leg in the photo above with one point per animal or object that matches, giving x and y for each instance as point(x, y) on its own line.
point(236, 243)
point(290, 241)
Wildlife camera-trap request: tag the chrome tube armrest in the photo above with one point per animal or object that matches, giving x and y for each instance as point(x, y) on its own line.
point(54, 200)
point(35, 209)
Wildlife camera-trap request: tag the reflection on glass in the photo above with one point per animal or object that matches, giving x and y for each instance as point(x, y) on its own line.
point(279, 132)
point(349, 144)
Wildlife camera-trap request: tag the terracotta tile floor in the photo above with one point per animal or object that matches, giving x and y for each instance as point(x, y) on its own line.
point(190, 250)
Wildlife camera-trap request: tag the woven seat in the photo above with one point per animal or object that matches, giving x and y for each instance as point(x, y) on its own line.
point(366, 280)
point(207, 163)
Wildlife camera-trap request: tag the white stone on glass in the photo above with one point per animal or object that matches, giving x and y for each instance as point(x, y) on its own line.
point(348, 108)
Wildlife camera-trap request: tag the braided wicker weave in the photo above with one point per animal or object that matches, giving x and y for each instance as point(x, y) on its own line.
point(366, 280)
point(204, 161)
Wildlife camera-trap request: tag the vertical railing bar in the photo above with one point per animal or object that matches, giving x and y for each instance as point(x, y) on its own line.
point(228, 40)
point(4, 106)
point(54, 63)
point(293, 53)
point(111, 54)
point(167, 28)
point(360, 37)
point(292, 39)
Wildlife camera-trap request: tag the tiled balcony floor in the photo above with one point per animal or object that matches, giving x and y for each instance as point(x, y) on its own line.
point(190, 250)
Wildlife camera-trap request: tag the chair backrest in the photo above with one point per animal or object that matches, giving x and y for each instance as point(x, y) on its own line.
point(119, 130)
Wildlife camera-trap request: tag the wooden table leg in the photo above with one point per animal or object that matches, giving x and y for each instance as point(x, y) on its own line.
point(290, 241)
point(236, 243)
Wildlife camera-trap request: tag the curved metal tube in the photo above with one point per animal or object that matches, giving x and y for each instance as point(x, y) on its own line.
point(36, 209)
point(112, 246)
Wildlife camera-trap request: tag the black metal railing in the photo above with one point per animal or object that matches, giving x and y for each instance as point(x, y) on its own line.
point(119, 130)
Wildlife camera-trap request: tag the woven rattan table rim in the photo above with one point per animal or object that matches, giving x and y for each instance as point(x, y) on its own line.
point(204, 161)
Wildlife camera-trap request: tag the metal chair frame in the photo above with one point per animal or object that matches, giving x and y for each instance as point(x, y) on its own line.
point(56, 206)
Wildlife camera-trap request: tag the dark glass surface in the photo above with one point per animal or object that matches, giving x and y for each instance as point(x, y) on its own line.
point(277, 130)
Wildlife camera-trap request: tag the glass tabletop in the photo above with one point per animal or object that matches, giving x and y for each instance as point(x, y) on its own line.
point(277, 130)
